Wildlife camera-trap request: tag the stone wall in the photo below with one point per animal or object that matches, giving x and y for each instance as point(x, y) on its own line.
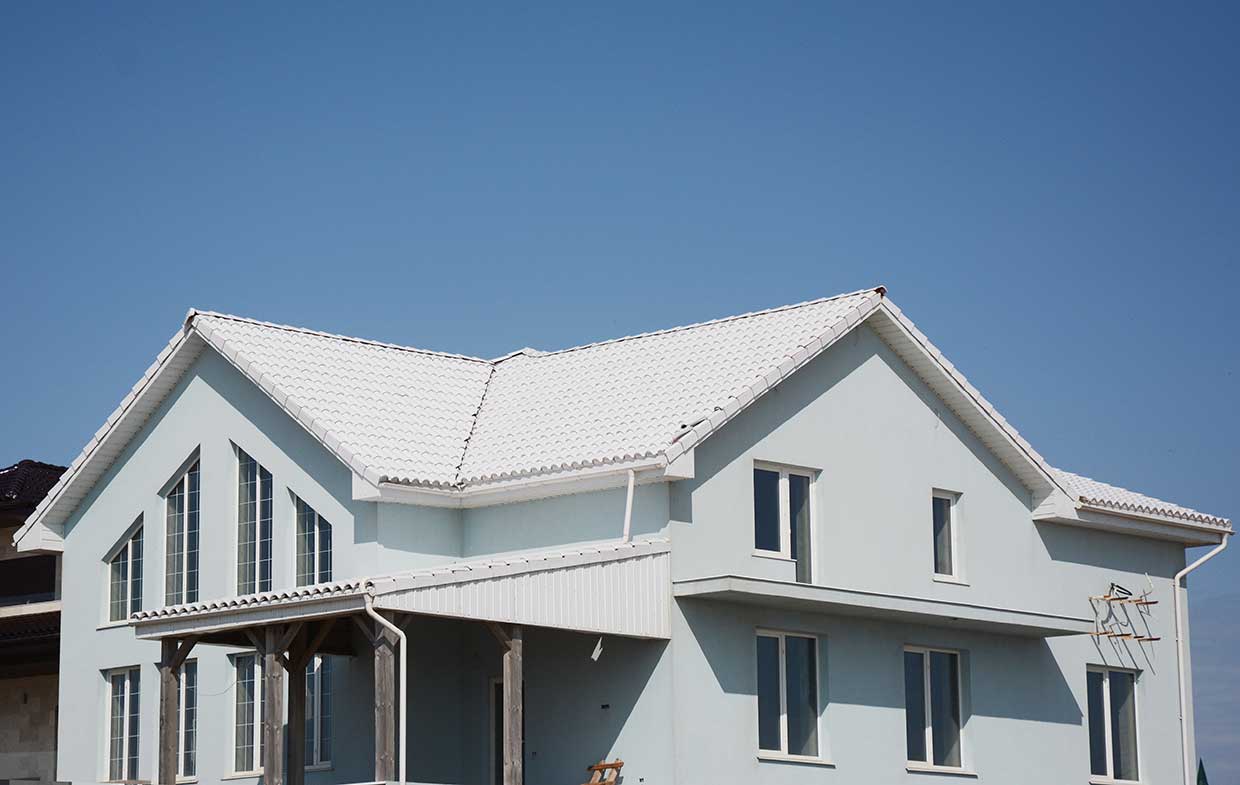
point(28, 728)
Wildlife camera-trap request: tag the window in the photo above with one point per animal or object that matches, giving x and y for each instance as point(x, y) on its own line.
point(248, 714)
point(319, 711)
point(781, 515)
point(943, 515)
point(1112, 723)
point(123, 702)
point(788, 694)
point(253, 526)
point(181, 544)
point(314, 546)
point(125, 579)
point(932, 706)
point(187, 720)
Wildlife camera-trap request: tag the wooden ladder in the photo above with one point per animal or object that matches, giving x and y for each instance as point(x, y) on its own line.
point(604, 772)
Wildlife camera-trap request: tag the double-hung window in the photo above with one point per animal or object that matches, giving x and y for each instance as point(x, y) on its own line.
point(187, 720)
point(781, 515)
point(253, 526)
point(123, 722)
point(181, 543)
point(787, 671)
point(943, 516)
point(932, 707)
point(1112, 723)
point(314, 545)
point(125, 578)
point(248, 714)
point(319, 711)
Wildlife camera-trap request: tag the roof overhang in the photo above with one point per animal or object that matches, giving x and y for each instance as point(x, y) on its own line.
point(876, 605)
point(1159, 527)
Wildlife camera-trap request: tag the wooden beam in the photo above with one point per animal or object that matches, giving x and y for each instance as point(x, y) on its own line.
point(384, 641)
point(273, 709)
point(169, 692)
point(499, 634)
point(287, 639)
point(514, 742)
point(316, 641)
point(296, 717)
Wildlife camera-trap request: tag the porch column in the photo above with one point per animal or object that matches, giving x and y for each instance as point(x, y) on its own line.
point(273, 708)
point(514, 741)
point(172, 655)
point(296, 667)
point(384, 641)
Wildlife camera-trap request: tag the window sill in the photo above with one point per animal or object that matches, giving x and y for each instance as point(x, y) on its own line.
point(242, 775)
point(808, 760)
point(1095, 780)
point(319, 767)
point(950, 579)
point(927, 768)
point(776, 555)
point(112, 625)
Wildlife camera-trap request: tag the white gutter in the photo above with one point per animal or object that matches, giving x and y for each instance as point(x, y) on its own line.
point(1179, 648)
point(404, 673)
point(628, 508)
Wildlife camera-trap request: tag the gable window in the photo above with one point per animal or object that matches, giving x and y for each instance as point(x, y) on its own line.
point(1112, 723)
point(125, 578)
point(123, 721)
point(319, 711)
point(253, 526)
point(943, 517)
point(314, 546)
point(932, 707)
point(781, 515)
point(187, 720)
point(787, 671)
point(248, 714)
point(181, 542)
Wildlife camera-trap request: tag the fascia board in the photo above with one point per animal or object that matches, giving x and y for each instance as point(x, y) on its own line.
point(1153, 527)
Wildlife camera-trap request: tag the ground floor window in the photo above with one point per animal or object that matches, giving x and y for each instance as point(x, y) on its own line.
point(1112, 723)
point(319, 711)
point(123, 722)
point(787, 671)
point(187, 720)
point(932, 706)
point(248, 714)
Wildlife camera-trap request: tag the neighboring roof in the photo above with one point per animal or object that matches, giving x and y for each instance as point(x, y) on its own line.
point(459, 424)
point(25, 483)
point(1099, 494)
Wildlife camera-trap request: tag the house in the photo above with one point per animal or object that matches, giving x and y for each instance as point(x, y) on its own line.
point(29, 631)
point(784, 547)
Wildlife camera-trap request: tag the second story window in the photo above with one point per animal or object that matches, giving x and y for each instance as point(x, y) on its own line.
point(1112, 723)
point(943, 516)
point(125, 578)
point(181, 543)
point(314, 545)
point(253, 526)
point(781, 515)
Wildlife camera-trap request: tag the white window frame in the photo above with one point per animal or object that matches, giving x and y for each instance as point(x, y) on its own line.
point(782, 753)
point(929, 763)
point(259, 708)
point(1106, 718)
point(313, 711)
point(316, 551)
point(785, 512)
point(127, 672)
point(125, 546)
point(953, 521)
point(181, 709)
point(258, 500)
point(182, 481)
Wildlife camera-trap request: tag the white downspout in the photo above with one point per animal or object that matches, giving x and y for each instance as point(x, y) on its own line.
point(1179, 648)
point(404, 673)
point(628, 508)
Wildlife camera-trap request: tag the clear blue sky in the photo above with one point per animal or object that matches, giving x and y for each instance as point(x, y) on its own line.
point(1051, 193)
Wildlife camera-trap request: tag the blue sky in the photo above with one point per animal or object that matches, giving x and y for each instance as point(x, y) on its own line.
point(1051, 193)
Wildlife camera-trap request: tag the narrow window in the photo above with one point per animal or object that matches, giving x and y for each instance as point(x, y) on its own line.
point(1112, 723)
point(253, 526)
point(781, 513)
point(932, 707)
point(123, 721)
point(125, 579)
point(314, 546)
point(181, 544)
point(187, 720)
point(319, 711)
point(943, 512)
point(788, 709)
point(248, 714)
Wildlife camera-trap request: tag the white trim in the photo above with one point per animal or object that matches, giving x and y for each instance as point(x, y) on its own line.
point(125, 545)
point(256, 574)
point(314, 713)
point(820, 737)
point(928, 764)
point(126, 672)
point(1106, 671)
point(785, 471)
point(182, 689)
point(953, 523)
point(181, 482)
point(259, 708)
point(772, 757)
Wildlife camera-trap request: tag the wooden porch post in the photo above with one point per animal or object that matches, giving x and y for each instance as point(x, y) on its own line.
point(273, 708)
point(296, 666)
point(514, 763)
point(385, 692)
point(172, 656)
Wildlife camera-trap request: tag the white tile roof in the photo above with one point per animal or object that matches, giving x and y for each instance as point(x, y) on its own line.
point(1099, 494)
point(318, 591)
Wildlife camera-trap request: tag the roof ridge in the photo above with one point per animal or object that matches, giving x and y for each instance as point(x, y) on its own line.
point(194, 313)
point(882, 290)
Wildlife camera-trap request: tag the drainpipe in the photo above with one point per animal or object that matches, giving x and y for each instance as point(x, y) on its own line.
point(628, 508)
point(404, 673)
point(1179, 647)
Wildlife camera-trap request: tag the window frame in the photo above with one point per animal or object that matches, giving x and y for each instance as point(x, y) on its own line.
point(953, 522)
point(1106, 671)
point(928, 719)
point(182, 710)
point(785, 513)
point(782, 753)
point(125, 546)
point(127, 673)
point(260, 708)
point(181, 481)
point(316, 552)
point(314, 714)
point(256, 571)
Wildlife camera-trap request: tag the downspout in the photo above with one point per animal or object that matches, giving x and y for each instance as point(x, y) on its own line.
point(369, 599)
point(628, 508)
point(1179, 648)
